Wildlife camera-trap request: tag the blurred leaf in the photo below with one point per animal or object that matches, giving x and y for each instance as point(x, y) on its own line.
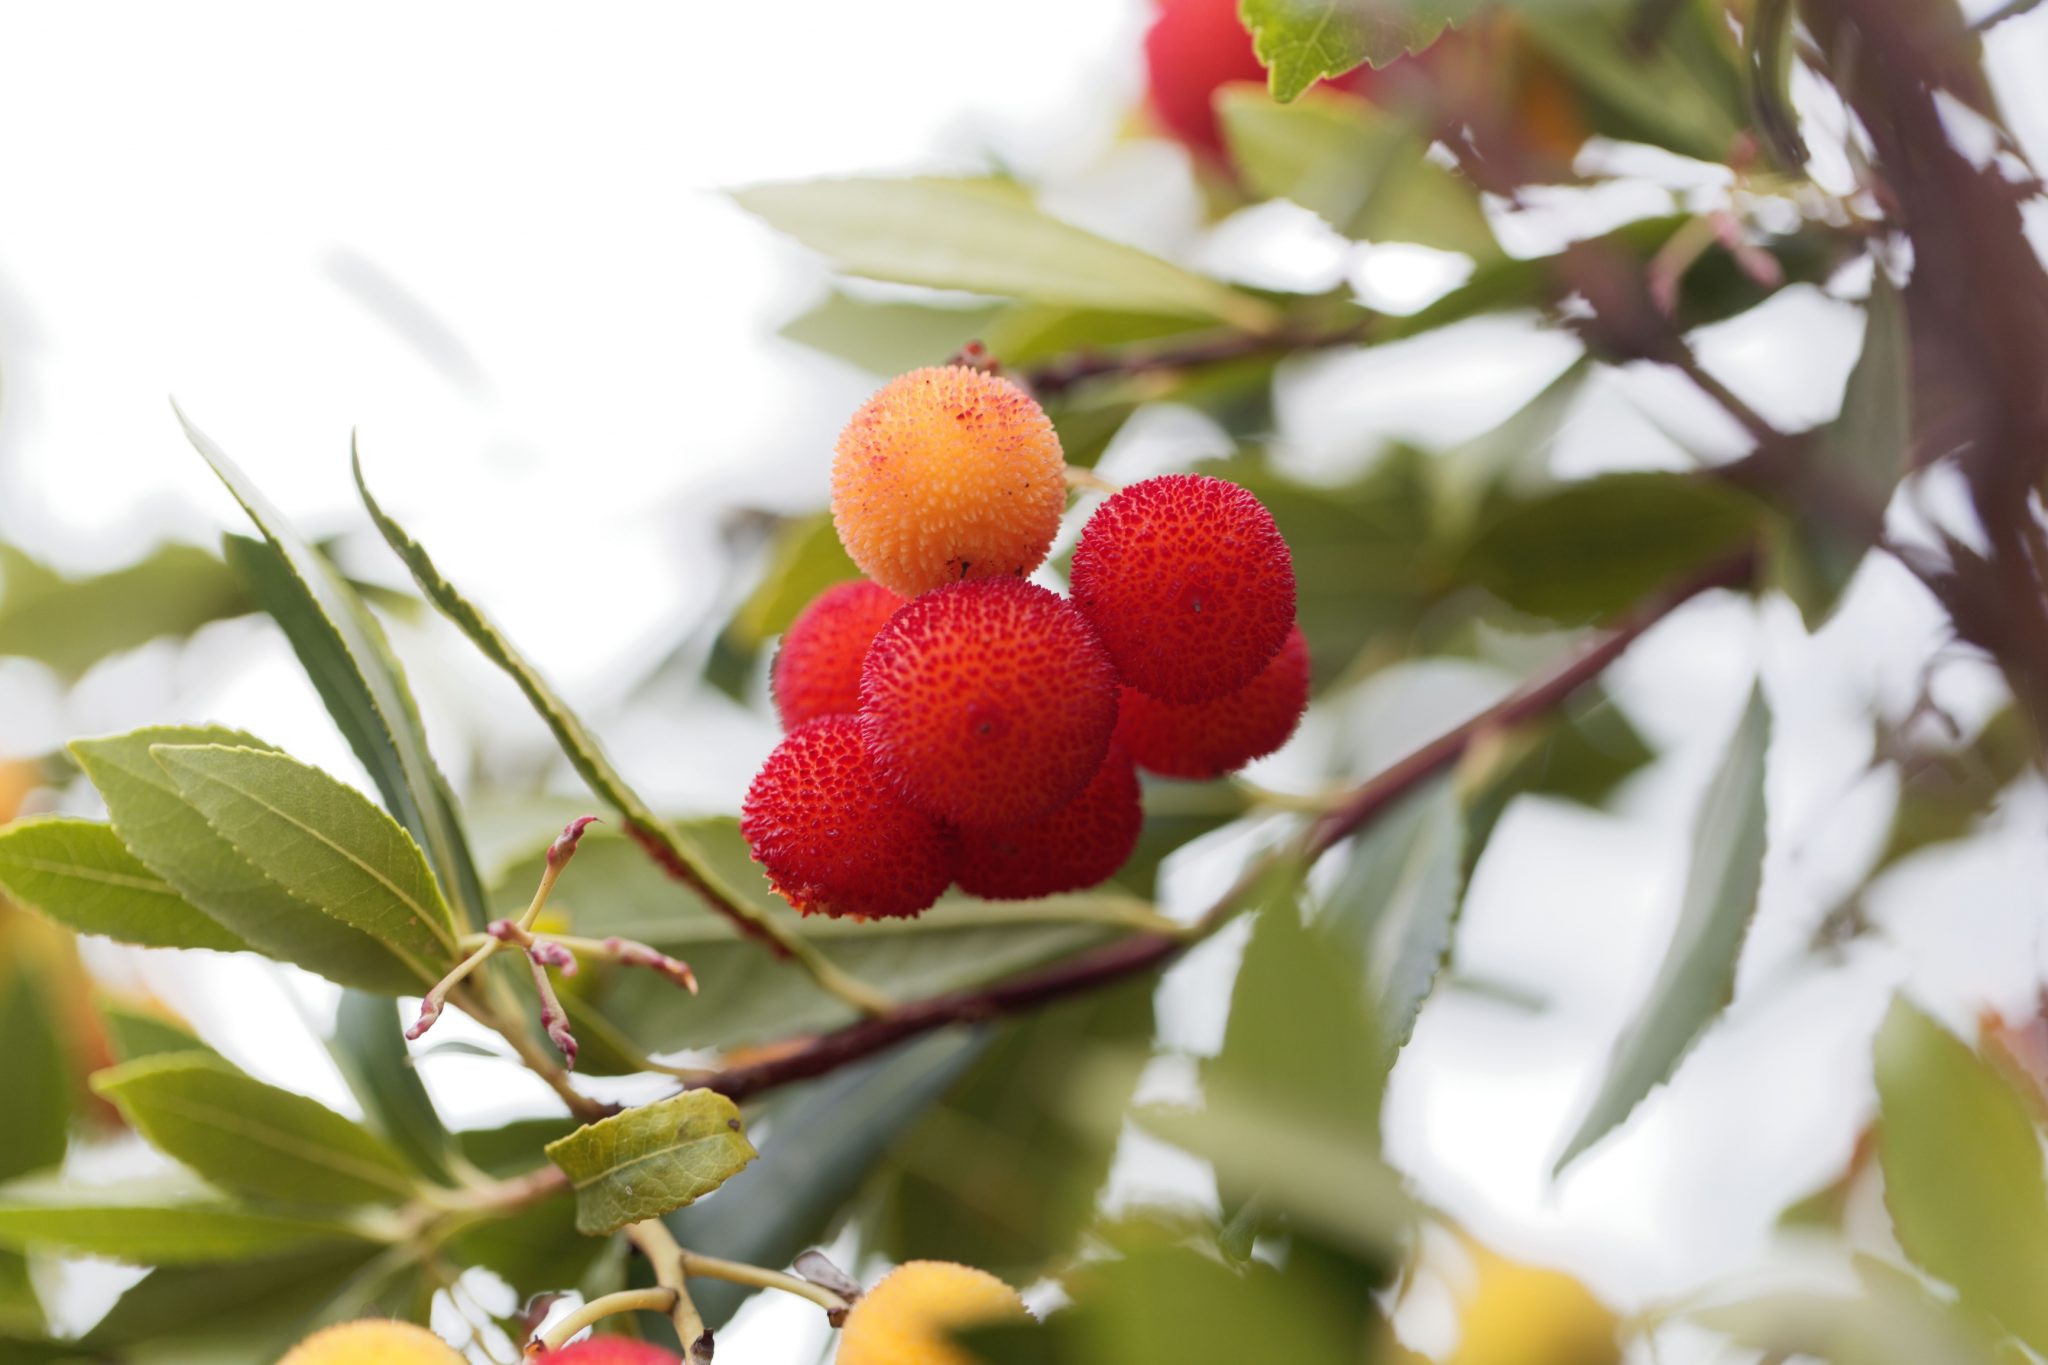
point(1962, 1171)
point(1597, 546)
point(1508, 462)
point(1580, 754)
point(1892, 1322)
point(1836, 504)
point(995, 1175)
point(535, 1249)
point(806, 560)
point(79, 873)
point(1303, 41)
point(323, 841)
point(1770, 47)
point(986, 237)
point(512, 1148)
point(276, 1290)
point(173, 839)
point(34, 1074)
point(651, 1160)
point(1697, 979)
point(887, 336)
point(250, 1137)
point(144, 1224)
point(1395, 906)
point(822, 1140)
point(368, 1046)
point(72, 623)
point(1677, 84)
point(1943, 793)
point(1026, 333)
point(1361, 168)
point(1176, 814)
point(136, 1033)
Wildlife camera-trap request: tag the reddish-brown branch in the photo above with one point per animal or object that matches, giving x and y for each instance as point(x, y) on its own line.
point(1055, 377)
point(1140, 953)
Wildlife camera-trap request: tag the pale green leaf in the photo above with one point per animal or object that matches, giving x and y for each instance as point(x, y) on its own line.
point(146, 1225)
point(652, 1160)
point(140, 1033)
point(72, 623)
point(886, 336)
point(79, 873)
point(34, 1073)
point(322, 841)
point(1303, 41)
point(174, 840)
point(252, 1138)
point(1697, 979)
point(987, 237)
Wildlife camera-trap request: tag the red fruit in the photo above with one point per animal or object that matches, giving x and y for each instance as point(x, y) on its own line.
point(831, 837)
point(1079, 845)
point(1211, 738)
point(612, 1351)
point(1189, 584)
point(988, 703)
point(817, 670)
point(1193, 47)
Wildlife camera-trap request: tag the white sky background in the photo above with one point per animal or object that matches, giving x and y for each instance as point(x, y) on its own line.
point(490, 239)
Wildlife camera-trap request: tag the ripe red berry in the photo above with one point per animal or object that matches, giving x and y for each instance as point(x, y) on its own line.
point(817, 670)
point(1192, 48)
point(612, 1351)
point(1211, 738)
point(988, 703)
point(832, 838)
point(1078, 846)
point(1189, 583)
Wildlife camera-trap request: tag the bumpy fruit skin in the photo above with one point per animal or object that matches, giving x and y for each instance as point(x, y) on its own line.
point(1525, 1315)
point(1210, 738)
point(948, 474)
point(817, 670)
point(831, 837)
point(988, 703)
point(1189, 583)
point(904, 1320)
point(373, 1342)
point(1079, 845)
point(612, 1351)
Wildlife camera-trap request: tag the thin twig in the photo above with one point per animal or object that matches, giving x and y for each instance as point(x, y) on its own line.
point(660, 1300)
point(668, 1259)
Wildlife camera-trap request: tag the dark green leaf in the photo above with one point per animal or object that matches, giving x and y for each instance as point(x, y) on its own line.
point(179, 1303)
point(250, 1137)
point(146, 1225)
point(173, 839)
point(1594, 547)
point(1962, 1171)
point(322, 841)
point(1303, 41)
point(987, 237)
point(652, 1160)
point(1580, 755)
point(1678, 85)
point(1944, 792)
point(1697, 979)
point(369, 1047)
point(34, 1074)
point(72, 623)
point(137, 1033)
point(79, 873)
point(806, 560)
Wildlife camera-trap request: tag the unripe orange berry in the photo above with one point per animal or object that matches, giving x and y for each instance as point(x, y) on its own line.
point(612, 1351)
point(1079, 845)
point(1520, 1314)
point(988, 703)
point(1210, 738)
point(373, 1342)
point(946, 474)
point(817, 670)
point(906, 1319)
point(831, 836)
point(1189, 583)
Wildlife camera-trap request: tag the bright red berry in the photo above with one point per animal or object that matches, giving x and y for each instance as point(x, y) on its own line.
point(988, 703)
point(817, 670)
point(1192, 48)
point(832, 838)
point(612, 1351)
point(1211, 738)
point(1189, 584)
point(1078, 846)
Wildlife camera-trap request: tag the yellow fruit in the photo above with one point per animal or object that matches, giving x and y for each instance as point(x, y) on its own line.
point(904, 1320)
point(947, 473)
point(372, 1342)
point(17, 780)
point(1525, 1315)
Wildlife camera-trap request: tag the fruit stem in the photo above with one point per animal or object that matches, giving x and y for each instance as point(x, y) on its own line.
point(1078, 477)
point(670, 1264)
point(662, 1300)
point(1121, 912)
point(759, 1277)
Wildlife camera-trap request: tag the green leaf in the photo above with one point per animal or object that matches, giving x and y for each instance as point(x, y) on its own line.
point(1360, 168)
point(136, 1033)
point(344, 652)
point(250, 1137)
point(1580, 754)
point(1303, 41)
point(1962, 1171)
point(144, 1224)
point(806, 560)
point(72, 623)
point(1676, 84)
point(652, 1160)
point(1397, 902)
point(1944, 792)
point(272, 1293)
point(1594, 547)
point(79, 873)
point(173, 839)
point(886, 336)
point(369, 1047)
point(34, 1074)
point(322, 841)
point(987, 237)
point(1697, 979)
point(1893, 1321)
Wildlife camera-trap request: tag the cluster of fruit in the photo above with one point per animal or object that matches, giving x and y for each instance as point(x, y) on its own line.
point(949, 721)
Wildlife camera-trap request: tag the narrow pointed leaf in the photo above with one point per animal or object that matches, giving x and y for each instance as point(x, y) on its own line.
point(72, 623)
point(141, 1226)
point(652, 1160)
point(1697, 979)
point(79, 873)
point(33, 1074)
point(253, 1138)
point(172, 838)
point(138, 1033)
point(369, 1047)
